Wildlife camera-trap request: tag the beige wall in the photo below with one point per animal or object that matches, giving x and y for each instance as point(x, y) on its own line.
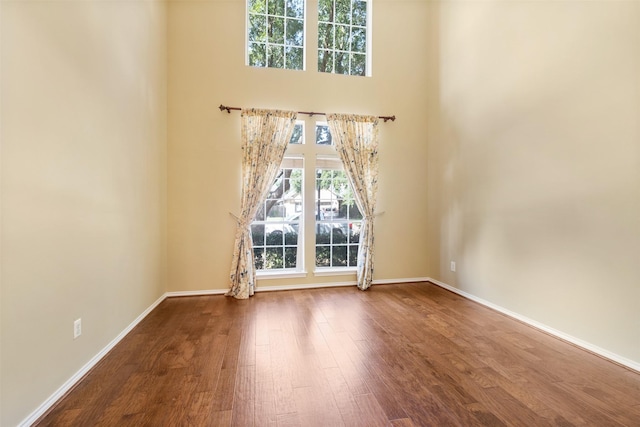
point(83, 184)
point(534, 161)
point(207, 68)
point(515, 154)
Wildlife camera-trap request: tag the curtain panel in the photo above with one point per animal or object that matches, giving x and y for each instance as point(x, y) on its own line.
point(356, 140)
point(265, 135)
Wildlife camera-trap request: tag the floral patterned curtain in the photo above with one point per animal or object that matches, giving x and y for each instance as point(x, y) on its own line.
point(265, 135)
point(356, 139)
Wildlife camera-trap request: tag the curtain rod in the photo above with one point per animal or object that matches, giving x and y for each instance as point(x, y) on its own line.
point(310, 113)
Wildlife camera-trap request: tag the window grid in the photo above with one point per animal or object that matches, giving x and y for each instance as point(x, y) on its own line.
point(276, 34)
point(342, 37)
point(338, 220)
point(275, 231)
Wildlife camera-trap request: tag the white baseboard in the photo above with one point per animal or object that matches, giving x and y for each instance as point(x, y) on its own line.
point(196, 293)
point(68, 385)
point(297, 287)
point(558, 334)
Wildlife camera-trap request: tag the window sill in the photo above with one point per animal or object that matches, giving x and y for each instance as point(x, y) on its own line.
point(280, 274)
point(333, 271)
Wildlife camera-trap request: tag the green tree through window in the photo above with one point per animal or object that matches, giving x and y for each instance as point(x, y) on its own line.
point(342, 36)
point(276, 33)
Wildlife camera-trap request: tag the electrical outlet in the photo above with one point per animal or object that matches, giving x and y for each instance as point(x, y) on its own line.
point(453, 266)
point(77, 328)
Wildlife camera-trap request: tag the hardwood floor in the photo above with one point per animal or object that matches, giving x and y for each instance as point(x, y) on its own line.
point(396, 355)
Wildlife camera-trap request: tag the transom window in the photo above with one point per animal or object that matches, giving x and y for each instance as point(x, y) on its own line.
point(343, 36)
point(276, 33)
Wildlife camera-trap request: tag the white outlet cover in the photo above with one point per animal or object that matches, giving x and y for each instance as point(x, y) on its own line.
point(453, 266)
point(77, 328)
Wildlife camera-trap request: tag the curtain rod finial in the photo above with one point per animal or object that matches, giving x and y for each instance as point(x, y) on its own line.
point(222, 108)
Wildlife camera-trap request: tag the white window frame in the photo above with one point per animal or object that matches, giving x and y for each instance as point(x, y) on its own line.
point(284, 44)
point(332, 163)
point(312, 155)
point(369, 44)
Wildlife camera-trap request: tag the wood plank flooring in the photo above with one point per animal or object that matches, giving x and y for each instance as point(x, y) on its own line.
point(395, 355)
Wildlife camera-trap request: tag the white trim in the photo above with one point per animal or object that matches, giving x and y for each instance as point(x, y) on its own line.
point(299, 286)
point(405, 280)
point(307, 286)
point(335, 271)
point(71, 382)
point(339, 284)
point(558, 334)
point(280, 274)
point(196, 293)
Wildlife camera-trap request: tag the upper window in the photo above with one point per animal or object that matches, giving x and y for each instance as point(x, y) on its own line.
point(276, 33)
point(342, 36)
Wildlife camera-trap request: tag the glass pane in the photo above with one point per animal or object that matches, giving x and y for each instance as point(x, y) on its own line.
point(323, 233)
point(359, 13)
point(290, 257)
point(295, 8)
point(257, 6)
point(358, 40)
point(257, 55)
point(274, 258)
point(325, 36)
point(296, 136)
point(342, 37)
point(323, 254)
point(295, 32)
point(341, 63)
point(353, 255)
point(358, 64)
point(325, 61)
point(343, 11)
point(258, 258)
point(276, 7)
point(354, 212)
point(257, 28)
point(323, 135)
point(275, 54)
point(325, 10)
point(338, 234)
point(339, 257)
point(290, 235)
point(354, 232)
point(257, 234)
point(295, 181)
point(295, 58)
point(275, 28)
point(275, 236)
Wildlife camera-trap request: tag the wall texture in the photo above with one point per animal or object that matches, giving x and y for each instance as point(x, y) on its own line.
point(83, 184)
point(534, 161)
point(207, 68)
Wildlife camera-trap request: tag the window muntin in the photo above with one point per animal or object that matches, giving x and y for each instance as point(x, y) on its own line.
point(276, 230)
point(326, 204)
point(337, 217)
point(343, 36)
point(276, 33)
